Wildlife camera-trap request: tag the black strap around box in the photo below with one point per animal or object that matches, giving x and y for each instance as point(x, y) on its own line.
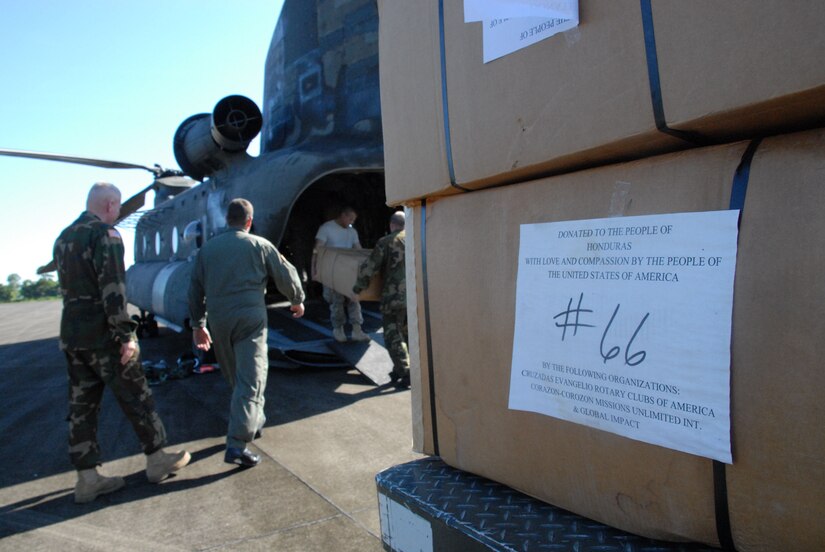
point(656, 85)
point(654, 80)
point(425, 284)
point(738, 193)
point(737, 201)
point(445, 105)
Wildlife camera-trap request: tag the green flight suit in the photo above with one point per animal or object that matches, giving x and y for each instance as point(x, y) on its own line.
point(229, 282)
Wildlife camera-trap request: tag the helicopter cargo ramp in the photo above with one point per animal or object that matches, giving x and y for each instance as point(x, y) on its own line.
point(328, 432)
point(308, 342)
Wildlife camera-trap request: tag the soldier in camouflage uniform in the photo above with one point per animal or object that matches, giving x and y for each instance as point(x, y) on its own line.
point(98, 338)
point(229, 281)
point(387, 258)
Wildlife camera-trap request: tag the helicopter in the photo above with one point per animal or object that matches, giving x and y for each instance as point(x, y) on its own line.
point(321, 148)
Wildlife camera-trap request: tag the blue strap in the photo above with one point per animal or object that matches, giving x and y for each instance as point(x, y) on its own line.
point(427, 329)
point(656, 86)
point(738, 192)
point(445, 106)
point(720, 496)
point(740, 178)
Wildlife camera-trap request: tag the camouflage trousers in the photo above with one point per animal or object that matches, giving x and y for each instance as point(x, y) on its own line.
point(337, 302)
point(90, 371)
point(395, 338)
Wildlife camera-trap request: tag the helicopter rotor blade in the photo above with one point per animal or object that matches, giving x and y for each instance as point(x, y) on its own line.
point(51, 266)
point(127, 208)
point(176, 181)
point(134, 203)
point(103, 163)
point(171, 179)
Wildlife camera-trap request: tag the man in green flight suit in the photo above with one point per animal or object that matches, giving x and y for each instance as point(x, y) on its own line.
point(229, 281)
point(98, 338)
point(387, 258)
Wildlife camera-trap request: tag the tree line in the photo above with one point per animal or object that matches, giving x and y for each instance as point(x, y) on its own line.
point(16, 289)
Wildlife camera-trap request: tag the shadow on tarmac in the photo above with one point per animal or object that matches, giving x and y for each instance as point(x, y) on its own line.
point(33, 390)
point(58, 506)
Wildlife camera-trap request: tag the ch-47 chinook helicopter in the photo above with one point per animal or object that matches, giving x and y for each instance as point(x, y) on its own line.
point(321, 148)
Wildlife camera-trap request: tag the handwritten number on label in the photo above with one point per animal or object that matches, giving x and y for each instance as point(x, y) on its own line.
point(629, 359)
point(614, 352)
point(566, 314)
point(642, 354)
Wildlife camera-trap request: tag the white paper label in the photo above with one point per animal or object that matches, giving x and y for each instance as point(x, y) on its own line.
point(510, 25)
point(485, 10)
point(624, 325)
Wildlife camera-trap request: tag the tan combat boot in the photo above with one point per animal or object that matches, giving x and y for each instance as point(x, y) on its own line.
point(160, 464)
point(358, 334)
point(91, 484)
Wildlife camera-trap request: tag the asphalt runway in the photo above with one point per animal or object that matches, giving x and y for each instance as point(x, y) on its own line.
point(328, 432)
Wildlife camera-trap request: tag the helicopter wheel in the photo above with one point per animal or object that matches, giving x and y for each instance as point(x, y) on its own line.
point(151, 326)
point(146, 325)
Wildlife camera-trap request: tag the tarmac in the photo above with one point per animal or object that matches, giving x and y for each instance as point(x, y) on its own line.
point(329, 431)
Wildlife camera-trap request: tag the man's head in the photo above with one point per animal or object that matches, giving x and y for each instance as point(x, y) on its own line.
point(104, 201)
point(346, 217)
point(397, 221)
point(239, 214)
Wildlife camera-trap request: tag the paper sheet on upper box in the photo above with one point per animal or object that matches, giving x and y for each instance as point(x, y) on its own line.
point(510, 25)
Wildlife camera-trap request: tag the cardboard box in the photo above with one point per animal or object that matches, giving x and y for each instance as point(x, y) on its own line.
point(338, 269)
point(735, 69)
point(464, 309)
point(582, 98)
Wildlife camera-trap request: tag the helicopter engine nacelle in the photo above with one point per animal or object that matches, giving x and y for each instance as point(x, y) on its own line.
point(202, 142)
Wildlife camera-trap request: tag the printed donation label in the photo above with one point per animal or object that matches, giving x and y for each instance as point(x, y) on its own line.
point(510, 25)
point(624, 325)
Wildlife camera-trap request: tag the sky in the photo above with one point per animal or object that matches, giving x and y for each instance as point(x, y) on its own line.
point(110, 80)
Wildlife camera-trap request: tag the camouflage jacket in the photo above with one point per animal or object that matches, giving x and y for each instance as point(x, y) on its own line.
point(89, 257)
point(387, 258)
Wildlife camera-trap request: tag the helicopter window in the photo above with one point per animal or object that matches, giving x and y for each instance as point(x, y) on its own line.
point(193, 232)
point(157, 243)
point(174, 240)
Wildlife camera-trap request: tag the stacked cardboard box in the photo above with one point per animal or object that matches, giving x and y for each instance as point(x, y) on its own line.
point(547, 129)
point(727, 70)
point(775, 481)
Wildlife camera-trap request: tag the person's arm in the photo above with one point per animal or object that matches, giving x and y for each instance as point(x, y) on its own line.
point(368, 268)
point(111, 276)
point(197, 307)
point(356, 239)
point(202, 338)
point(318, 243)
point(286, 279)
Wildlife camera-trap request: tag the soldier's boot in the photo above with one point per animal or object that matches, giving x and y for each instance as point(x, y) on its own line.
point(339, 335)
point(91, 484)
point(358, 334)
point(160, 464)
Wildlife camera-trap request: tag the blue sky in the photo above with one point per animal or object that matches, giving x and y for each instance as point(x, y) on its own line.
point(113, 80)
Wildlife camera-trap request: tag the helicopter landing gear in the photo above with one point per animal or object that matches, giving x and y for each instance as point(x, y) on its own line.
point(147, 325)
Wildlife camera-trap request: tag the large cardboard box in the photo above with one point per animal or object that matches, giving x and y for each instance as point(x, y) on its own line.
point(338, 269)
point(583, 98)
point(464, 308)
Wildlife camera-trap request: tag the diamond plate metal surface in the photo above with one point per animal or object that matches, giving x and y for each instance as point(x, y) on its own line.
point(505, 519)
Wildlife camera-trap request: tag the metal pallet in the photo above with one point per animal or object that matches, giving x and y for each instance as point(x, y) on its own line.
point(426, 505)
